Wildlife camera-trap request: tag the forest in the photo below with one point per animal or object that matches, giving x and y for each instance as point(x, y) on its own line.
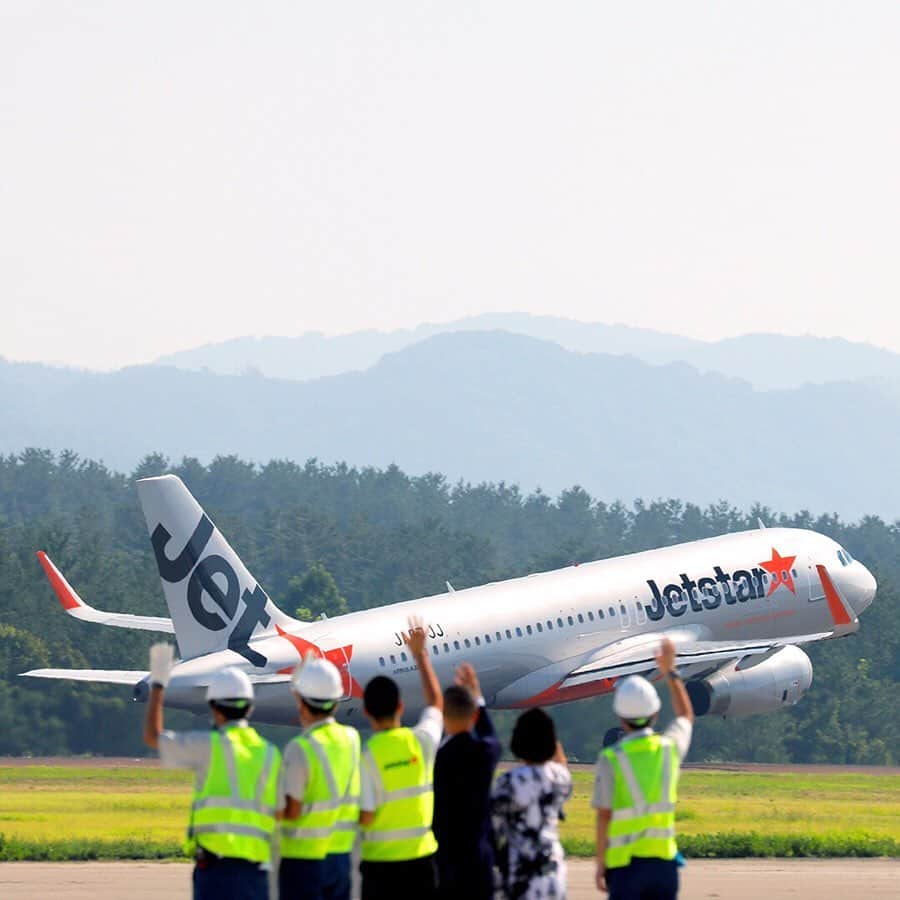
point(332, 538)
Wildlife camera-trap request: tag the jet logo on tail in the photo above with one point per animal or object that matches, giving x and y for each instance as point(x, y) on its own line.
point(202, 581)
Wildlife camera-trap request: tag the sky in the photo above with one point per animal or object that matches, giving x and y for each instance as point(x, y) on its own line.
point(178, 173)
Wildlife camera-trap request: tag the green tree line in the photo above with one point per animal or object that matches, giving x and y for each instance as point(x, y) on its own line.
point(333, 538)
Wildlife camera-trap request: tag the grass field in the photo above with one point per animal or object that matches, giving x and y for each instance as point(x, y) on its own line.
point(49, 812)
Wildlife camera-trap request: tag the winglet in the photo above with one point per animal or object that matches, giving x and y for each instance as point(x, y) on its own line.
point(63, 590)
point(835, 603)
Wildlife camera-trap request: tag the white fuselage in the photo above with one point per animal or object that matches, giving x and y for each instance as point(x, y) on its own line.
point(525, 635)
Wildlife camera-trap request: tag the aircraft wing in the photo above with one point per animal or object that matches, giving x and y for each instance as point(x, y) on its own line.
point(78, 609)
point(99, 676)
point(637, 655)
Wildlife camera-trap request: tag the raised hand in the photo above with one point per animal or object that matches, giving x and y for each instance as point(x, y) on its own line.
point(467, 678)
point(162, 659)
point(415, 638)
point(665, 656)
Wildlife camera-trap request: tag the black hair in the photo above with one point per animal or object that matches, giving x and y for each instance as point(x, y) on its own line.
point(534, 736)
point(381, 697)
point(232, 710)
point(458, 702)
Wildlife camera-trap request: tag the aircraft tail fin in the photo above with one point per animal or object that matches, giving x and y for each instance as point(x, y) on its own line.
point(215, 603)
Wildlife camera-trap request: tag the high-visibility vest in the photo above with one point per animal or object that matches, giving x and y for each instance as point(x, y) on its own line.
point(329, 816)
point(233, 813)
point(643, 805)
point(401, 829)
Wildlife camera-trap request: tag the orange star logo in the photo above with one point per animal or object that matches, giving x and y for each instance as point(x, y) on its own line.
point(340, 657)
point(779, 567)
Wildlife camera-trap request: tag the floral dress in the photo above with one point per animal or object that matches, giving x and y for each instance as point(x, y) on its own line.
point(526, 804)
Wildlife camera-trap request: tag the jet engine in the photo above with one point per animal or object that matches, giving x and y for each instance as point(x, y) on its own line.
point(753, 685)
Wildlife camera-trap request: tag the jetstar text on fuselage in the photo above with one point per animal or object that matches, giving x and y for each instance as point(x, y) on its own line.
point(711, 591)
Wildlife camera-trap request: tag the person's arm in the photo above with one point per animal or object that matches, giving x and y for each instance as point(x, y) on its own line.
point(415, 639)
point(665, 662)
point(161, 662)
point(467, 677)
point(603, 818)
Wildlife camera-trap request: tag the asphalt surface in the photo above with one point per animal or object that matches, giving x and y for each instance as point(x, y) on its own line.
point(735, 879)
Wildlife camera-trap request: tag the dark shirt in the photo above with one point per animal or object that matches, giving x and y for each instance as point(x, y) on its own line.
point(463, 774)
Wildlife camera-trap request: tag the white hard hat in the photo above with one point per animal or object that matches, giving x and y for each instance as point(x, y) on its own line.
point(230, 684)
point(318, 682)
point(635, 699)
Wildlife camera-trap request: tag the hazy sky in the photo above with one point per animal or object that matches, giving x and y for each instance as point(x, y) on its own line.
point(178, 173)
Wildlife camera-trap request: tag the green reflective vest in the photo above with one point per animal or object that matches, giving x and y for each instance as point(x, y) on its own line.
point(401, 829)
point(643, 810)
point(329, 814)
point(233, 813)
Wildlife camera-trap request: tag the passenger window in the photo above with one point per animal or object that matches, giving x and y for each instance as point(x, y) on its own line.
point(612, 611)
point(393, 660)
point(581, 618)
point(591, 614)
point(559, 622)
point(571, 620)
point(528, 629)
point(467, 642)
point(456, 645)
point(381, 661)
point(518, 632)
point(509, 634)
point(403, 657)
point(599, 613)
point(446, 648)
point(540, 628)
point(434, 649)
point(477, 641)
point(498, 636)
point(549, 625)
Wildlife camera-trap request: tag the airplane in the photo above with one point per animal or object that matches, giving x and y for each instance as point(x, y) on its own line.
point(738, 608)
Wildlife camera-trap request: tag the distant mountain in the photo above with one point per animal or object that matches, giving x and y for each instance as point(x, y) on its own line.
point(767, 361)
point(493, 406)
point(313, 355)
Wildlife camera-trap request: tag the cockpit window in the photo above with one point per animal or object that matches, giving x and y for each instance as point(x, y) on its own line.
point(844, 557)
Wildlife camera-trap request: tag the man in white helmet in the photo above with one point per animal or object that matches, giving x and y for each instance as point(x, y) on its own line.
point(235, 783)
point(635, 789)
point(319, 791)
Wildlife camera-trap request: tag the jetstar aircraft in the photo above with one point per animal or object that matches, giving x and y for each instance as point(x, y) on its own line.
point(737, 607)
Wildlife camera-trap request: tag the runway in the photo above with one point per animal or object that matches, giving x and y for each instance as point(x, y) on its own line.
point(736, 879)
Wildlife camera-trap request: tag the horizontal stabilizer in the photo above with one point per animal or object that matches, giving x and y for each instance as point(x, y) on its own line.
point(98, 676)
point(77, 608)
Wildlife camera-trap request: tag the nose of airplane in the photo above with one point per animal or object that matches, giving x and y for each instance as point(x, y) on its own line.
point(858, 586)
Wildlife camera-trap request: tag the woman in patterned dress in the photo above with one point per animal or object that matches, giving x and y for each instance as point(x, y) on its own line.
point(526, 804)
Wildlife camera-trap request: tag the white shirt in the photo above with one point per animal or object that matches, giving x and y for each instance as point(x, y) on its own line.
point(428, 731)
point(679, 732)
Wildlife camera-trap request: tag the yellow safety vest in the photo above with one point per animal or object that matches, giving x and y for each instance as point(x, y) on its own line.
point(643, 810)
point(329, 815)
point(233, 813)
point(401, 829)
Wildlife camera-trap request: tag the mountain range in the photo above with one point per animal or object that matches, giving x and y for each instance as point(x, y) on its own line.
point(493, 406)
point(767, 361)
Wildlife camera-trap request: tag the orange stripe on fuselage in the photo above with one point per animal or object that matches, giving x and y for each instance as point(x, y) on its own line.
point(556, 694)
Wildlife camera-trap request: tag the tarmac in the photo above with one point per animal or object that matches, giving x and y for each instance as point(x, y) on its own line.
point(735, 879)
